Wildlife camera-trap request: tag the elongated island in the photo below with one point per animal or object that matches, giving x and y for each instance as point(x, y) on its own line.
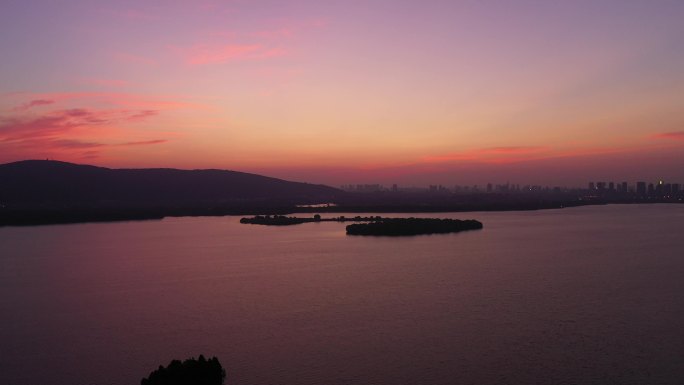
point(376, 225)
point(282, 220)
point(413, 226)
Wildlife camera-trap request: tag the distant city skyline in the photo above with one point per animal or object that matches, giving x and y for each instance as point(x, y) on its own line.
point(338, 92)
point(637, 187)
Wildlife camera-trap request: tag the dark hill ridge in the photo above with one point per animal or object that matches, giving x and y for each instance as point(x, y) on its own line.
point(44, 184)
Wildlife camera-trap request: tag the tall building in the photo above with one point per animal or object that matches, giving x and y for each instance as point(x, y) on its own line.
point(641, 188)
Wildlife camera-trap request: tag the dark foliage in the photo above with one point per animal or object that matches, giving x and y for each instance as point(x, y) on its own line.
point(413, 226)
point(189, 372)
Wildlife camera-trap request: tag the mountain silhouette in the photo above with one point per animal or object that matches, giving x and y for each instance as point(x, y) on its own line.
point(47, 183)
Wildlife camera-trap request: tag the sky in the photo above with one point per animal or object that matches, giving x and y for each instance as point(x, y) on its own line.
point(338, 92)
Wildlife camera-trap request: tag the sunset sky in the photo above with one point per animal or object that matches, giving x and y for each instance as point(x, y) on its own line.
point(336, 92)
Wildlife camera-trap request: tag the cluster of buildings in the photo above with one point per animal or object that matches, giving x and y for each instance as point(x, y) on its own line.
point(457, 189)
point(642, 189)
point(659, 189)
point(365, 188)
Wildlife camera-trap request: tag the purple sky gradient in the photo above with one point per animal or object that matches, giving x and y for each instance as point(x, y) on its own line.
point(410, 92)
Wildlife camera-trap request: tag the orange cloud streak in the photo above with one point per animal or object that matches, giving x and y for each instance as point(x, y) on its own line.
point(674, 135)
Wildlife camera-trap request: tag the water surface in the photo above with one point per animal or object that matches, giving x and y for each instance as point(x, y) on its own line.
point(588, 295)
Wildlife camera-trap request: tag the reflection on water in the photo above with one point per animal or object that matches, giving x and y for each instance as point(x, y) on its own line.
point(589, 295)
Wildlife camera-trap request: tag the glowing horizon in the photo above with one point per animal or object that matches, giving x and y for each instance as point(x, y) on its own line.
point(332, 92)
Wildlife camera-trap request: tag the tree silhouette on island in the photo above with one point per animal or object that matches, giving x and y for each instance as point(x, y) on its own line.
point(192, 371)
point(413, 226)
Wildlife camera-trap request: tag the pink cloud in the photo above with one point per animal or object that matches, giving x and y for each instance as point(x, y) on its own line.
point(85, 125)
point(16, 129)
point(276, 29)
point(61, 122)
point(129, 58)
point(34, 103)
point(319, 22)
point(142, 115)
point(674, 135)
point(109, 83)
point(265, 42)
point(513, 150)
point(65, 132)
point(89, 155)
point(284, 32)
point(127, 100)
point(286, 27)
point(132, 14)
point(77, 144)
point(144, 142)
point(222, 34)
point(220, 54)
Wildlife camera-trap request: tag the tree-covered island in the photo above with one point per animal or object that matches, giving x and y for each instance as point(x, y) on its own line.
point(413, 226)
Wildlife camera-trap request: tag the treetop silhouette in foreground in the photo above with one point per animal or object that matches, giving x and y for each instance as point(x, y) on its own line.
point(192, 371)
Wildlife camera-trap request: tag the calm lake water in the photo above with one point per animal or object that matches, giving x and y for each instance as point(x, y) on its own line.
point(588, 295)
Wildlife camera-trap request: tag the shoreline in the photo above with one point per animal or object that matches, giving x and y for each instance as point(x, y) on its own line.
point(45, 217)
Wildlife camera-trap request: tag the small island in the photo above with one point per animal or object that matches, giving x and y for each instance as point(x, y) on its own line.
point(413, 226)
